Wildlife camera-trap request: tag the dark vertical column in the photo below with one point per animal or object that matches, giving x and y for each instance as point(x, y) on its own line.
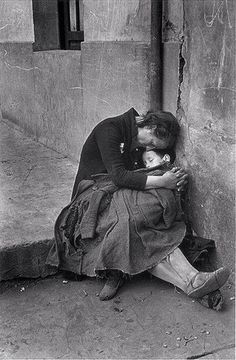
point(156, 55)
point(45, 16)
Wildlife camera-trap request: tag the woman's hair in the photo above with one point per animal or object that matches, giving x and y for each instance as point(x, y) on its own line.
point(167, 126)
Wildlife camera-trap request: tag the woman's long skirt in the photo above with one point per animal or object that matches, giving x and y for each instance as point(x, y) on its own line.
point(126, 230)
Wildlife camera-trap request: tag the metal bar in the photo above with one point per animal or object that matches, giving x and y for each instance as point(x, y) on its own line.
point(73, 15)
point(81, 14)
point(156, 55)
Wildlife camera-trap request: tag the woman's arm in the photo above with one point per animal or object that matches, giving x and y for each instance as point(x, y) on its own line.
point(175, 178)
point(109, 138)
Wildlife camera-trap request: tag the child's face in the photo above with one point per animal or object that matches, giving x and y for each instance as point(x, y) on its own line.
point(151, 159)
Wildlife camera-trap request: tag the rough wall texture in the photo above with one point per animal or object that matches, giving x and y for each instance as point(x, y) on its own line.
point(42, 93)
point(115, 78)
point(117, 20)
point(58, 100)
point(206, 109)
point(115, 58)
point(16, 21)
point(17, 84)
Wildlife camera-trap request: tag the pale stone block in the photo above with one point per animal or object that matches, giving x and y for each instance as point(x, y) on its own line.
point(117, 20)
point(16, 21)
point(115, 78)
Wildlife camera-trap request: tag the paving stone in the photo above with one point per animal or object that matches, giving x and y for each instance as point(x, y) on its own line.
point(36, 183)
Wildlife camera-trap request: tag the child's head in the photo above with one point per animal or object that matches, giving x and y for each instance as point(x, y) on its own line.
point(155, 157)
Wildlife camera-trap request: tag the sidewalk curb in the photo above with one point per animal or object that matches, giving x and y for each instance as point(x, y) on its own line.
point(26, 260)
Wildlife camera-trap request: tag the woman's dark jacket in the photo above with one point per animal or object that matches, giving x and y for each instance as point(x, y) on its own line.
point(112, 148)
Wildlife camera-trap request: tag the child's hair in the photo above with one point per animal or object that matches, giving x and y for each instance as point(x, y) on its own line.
point(162, 152)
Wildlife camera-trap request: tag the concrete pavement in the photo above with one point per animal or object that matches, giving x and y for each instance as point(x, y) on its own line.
point(53, 318)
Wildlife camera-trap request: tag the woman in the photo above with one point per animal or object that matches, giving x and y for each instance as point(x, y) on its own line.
point(115, 147)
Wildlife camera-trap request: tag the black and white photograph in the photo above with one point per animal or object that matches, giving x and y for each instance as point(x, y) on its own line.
point(117, 170)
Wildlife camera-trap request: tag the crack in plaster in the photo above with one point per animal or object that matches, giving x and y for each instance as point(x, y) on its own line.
point(182, 62)
point(28, 174)
point(181, 74)
point(214, 351)
point(3, 27)
point(217, 13)
point(91, 93)
point(21, 68)
point(17, 66)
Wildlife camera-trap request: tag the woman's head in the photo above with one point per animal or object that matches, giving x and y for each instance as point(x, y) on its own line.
point(159, 129)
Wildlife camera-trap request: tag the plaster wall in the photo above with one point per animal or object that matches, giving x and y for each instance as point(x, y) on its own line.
point(59, 100)
point(16, 21)
point(17, 85)
point(115, 58)
point(115, 78)
point(117, 20)
point(206, 110)
point(41, 92)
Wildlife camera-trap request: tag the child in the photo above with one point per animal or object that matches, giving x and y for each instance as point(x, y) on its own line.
point(154, 157)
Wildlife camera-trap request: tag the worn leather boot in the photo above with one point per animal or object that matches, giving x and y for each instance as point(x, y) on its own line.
point(114, 282)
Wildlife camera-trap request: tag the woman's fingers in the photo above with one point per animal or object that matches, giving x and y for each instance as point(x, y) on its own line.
point(180, 173)
point(175, 178)
point(175, 169)
point(183, 181)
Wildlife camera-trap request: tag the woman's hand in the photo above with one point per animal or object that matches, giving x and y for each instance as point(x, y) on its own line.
point(176, 178)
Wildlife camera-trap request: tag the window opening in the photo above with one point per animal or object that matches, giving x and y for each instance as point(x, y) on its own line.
point(69, 24)
point(57, 24)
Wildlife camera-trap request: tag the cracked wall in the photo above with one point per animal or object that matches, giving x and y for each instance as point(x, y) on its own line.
point(199, 86)
point(206, 110)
